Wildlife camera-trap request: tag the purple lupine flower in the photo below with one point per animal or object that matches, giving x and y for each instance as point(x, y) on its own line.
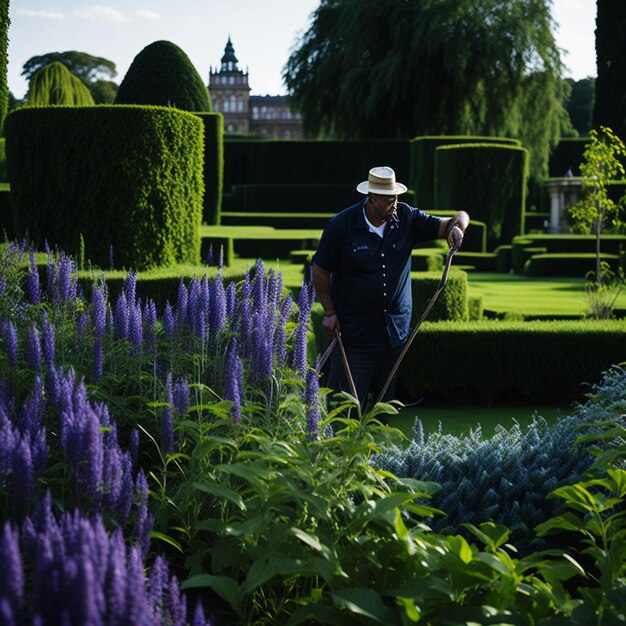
point(169, 325)
point(8, 438)
point(304, 302)
point(209, 256)
point(12, 570)
point(299, 352)
point(279, 342)
point(262, 352)
point(220, 258)
point(47, 336)
point(81, 325)
point(285, 308)
point(198, 616)
point(180, 396)
point(130, 287)
point(311, 403)
point(10, 342)
point(22, 476)
point(135, 329)
point(32, 348)
point(84, 608)
point(109, 326)
point(272, 289)
point(259, 291)
point(233, 371)
point(181, 304)
point(245, 327)
point(98, 312)
point(136, 596)
point(177, 605)
point(31, 415)
point(149, 336)
point(115, 583)
point(89, 468)
point(231, 301)
point(124, 502)
point(144, 519)
point(120, 316)
point(7, 617)
point(158, 581)
point(217, 306)
point(111, 266)
point(246, 287)
point(32, 287)
point(52, 280)
point(167, 425)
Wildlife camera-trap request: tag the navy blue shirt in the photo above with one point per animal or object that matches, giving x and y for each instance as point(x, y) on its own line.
point(370, 276)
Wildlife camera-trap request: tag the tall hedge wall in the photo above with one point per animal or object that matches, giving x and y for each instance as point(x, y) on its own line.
point(422, 174)
point(213, 166)
point(510, 361)
point(324, 162)
point(123, 176)
point(486, 180)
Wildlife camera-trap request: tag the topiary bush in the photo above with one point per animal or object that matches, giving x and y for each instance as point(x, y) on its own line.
point(451, 303)
point(213, 166)
point(126, 177)
point(162, 74)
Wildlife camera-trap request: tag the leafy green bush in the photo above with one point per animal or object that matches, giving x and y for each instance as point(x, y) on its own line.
point(452, 301)
point(213, 166)
point(510, 361)
point(545, 264)
point(55, 84)
point(162, 74)
point(465, 179)
point(126, 177)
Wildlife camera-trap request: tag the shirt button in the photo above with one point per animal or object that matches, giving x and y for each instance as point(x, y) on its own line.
point(384, 294)
point(382, 254)
point(384, 284)
point(383, 266)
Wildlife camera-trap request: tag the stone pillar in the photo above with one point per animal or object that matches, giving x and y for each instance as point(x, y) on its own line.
point(564, 193)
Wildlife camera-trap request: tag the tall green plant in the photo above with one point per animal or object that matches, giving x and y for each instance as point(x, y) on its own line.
point(601, 164)
point(55, 84)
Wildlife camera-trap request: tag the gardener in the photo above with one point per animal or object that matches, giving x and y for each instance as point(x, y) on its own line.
point(361, 274)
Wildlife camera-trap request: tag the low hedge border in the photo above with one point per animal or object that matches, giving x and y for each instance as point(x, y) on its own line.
point(567, 264)
point(541, 361)
point(276, 220)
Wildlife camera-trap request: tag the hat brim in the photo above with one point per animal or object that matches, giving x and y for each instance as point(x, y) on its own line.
point(365, 187)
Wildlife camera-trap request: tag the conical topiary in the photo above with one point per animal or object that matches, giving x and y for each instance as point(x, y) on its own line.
point(55, 84)
point(162, 74)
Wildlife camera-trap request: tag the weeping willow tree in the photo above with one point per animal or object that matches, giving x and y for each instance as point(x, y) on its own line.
point(384, 69)
point(54, 84)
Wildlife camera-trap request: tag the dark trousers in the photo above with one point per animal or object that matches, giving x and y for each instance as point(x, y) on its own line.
point(369, 372)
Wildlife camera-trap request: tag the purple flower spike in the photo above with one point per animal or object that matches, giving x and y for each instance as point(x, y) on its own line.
point(181, 397)
point(311, 402)
point(304, 302)
point(64, 277)
point(149, 336)
point(233, 371)
point(144, 519)
point(209, 256)
point(231, 301)
point(135, 329)
point(169, 324)
point(47, 333)
point(12, 570)
point(217, 306)
point(130, 287)
point(120, 316)
point(22, 477)
point(33, 288)
point(298, 357)
point(32, 348)
point(198, 616)
point(220, 260)
point(98, 313)
point(10, 342)
point(181, 304)
point(133, 445)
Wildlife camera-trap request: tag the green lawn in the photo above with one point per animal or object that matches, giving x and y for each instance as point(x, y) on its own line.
point(507, 293)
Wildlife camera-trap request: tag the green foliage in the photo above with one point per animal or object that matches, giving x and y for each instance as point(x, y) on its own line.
point(364, 69)
point(596, 210)
point(5, 22)
point(85, 66)
point(465, 179)
point(610, 107)
point(127, 177)
point(103, 91)
point(422, 177)
point(162, 74)
point(213, 166)
point(580, 104)
point(54, 84)
point(542, 263)
point(505, 478)
point(519, 360)
point(452, 301)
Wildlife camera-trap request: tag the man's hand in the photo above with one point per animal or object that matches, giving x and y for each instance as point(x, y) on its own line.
point(455, 237)
point(330, 322)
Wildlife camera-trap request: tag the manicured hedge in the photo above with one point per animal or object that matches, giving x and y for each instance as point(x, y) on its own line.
point(129, 177)
point(310, 162)
point(539, 361)
point(567, 264)
point(6, 212)
point(486, 180)
point(3, 160)
point(475, 239)
point(451, 303)
point(213, 166)
point(277, 220)
point(422, 175)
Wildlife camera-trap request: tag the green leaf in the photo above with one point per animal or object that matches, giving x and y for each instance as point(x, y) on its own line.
point(495, 562)
point(459, 545)
point(567, 521)
point(259, 573)
point(252, 526)
point(155, 534)
point(310, 540)
point(220, 491)
point(410, 608)
point(618, 476)
point(224, 586)
point(365, 602)
point(248, 471)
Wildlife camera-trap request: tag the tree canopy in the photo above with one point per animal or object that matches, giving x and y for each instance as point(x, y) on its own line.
point(162, 74)
point(82, 65)
point(383, 68)
point(54, 84)
point(580, 104)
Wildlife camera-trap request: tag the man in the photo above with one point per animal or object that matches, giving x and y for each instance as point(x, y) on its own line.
point(361, 274)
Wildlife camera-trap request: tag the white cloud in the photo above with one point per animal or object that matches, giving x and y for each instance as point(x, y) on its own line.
point(98, 12)
point(46, 15)
point(146, 14)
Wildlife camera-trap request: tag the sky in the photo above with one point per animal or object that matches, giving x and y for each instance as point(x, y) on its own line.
point(263, 33)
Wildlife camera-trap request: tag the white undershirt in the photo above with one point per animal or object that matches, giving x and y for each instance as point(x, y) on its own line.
point(377, 230)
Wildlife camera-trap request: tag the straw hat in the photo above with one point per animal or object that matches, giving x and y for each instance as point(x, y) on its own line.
point(381, 180)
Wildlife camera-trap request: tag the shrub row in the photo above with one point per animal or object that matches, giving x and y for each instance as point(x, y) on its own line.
point(213, 166)
point(546, 264)
point(510, 361)
point(128, 177)
point(277, 220)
